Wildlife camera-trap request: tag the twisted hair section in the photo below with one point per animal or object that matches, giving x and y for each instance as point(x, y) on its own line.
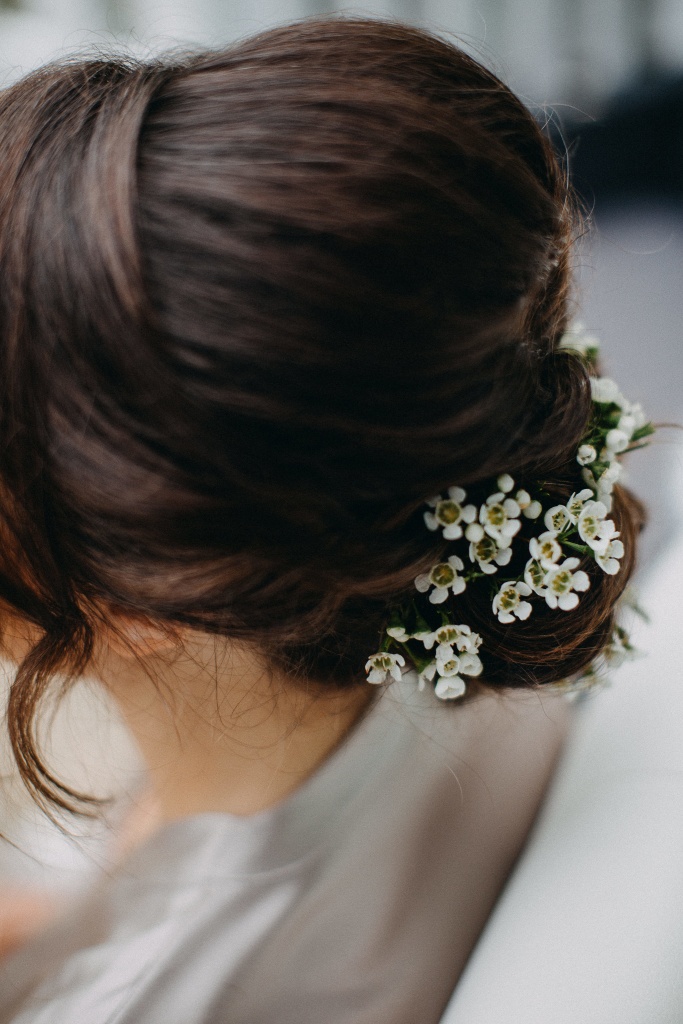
point(258, 304)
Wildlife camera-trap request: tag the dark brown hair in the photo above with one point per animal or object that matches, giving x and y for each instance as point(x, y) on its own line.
point(256, 305)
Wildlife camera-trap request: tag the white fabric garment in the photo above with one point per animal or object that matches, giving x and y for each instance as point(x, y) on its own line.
point(358, 898)
point(589, 929)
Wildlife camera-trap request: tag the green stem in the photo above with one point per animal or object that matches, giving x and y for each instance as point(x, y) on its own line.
point(583, 548)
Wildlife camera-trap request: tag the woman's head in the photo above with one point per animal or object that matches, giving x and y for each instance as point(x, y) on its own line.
point(257, 305)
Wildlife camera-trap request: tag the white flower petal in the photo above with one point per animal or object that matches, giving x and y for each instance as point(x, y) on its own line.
point(617, 440)
point(423, 583)
point(511, 507)
point(470, 665)
point(451, 688)
point(431, 522)
point(505, 483)
point(523, 610)
point(438, 595)
point(398, 633)
point(611, 566)
point(586, 454)
point(580, 580)
point(533, 510)
point(452, 532)
point(469, 513)
point(556, 518)
point(474, 532)
point(605, 391)
point(568, 601)
point(457, 494)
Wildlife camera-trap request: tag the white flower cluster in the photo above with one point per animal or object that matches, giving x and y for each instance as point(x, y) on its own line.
point(548, 573)
point(456, 655)
point(547, 567)
point(627, 424)
point(597, 675)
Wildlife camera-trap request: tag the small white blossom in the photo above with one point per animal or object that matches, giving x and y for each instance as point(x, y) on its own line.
point(604, 485)
point(633, 419)
point(534, 576)
point(508, 602)
point(399, 633)
point(530, 509)
point(449, 671)
point(450, 513)
point(619, 649)
point(450, 687)
point(426, 675)
point(545, 550)
point(608, 558)
point(449, 684)
point(586, 455)
point(505, 483)
point(616, 441)
point(562, 581)
point(383, 667)
point(576, 339)
point(605, 392)
point(442, 577)
point(470, 664)
point(500, 518)
point(486, 551)
point(594, 529)
point(576, 503)
point(448, 637)
point(606, 482)
point(557, 518)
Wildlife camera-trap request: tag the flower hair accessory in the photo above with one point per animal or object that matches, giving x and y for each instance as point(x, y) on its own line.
point(518, 517)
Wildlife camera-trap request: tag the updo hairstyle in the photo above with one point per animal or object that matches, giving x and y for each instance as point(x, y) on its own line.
point(256, 306)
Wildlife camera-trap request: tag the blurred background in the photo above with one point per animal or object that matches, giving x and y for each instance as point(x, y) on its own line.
point(606, 78)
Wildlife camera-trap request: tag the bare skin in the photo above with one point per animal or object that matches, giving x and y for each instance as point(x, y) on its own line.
point(218, 732)
point(217, 729)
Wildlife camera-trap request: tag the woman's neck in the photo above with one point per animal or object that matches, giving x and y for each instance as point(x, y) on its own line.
point(219, 732)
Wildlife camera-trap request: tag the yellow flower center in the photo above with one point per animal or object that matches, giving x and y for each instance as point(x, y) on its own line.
point(496, 515)
point(448, 512)
point(558, 521)
point(509, 599)
point(485, 549)
point(536, 574)
point(561, 582)
point(590, 526)
point(442, 575)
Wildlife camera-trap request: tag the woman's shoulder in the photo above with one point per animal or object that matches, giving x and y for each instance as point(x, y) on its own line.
point(255, 914)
